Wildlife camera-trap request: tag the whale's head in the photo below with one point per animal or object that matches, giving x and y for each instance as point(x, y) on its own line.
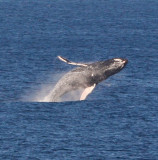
point(113, 66)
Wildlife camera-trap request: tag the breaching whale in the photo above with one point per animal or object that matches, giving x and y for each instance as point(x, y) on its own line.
point(86, 76)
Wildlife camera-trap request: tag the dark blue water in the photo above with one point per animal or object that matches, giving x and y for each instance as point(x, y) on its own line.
point(119, 120)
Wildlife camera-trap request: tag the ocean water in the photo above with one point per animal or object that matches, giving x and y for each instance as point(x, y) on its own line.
point(118, 120)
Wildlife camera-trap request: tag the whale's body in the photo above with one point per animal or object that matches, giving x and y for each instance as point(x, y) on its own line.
point(85, 77)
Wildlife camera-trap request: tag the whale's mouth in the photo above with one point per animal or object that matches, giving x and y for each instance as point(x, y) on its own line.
point(121, 61)
point(125, 61)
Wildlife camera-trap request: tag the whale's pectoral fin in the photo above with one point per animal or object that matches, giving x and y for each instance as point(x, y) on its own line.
point(72, 63)
point(86, 92)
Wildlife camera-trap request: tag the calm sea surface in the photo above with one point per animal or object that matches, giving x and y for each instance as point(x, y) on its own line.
point(119, 120)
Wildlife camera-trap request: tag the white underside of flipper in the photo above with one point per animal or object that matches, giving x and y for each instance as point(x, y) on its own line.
point(86, 92)
point(70, 62)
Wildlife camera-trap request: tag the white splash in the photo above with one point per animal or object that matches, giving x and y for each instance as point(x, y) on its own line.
point(44, 91)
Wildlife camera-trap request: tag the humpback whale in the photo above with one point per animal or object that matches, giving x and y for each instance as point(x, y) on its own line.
point(85, 77)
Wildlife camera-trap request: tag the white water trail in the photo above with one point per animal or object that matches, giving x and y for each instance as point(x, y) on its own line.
point(40, 92)
point(43, 92)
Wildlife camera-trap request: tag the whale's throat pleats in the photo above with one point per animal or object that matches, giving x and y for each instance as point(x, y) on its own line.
point(86, 92)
